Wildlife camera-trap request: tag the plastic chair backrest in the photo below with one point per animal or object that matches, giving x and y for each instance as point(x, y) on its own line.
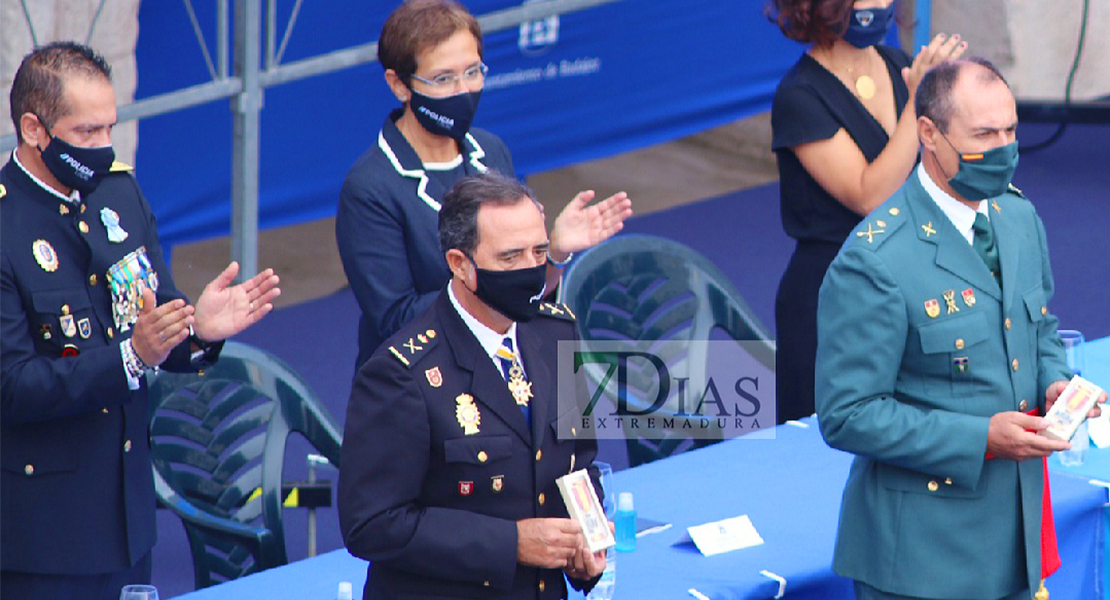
point(644, 288)
point(218, 447)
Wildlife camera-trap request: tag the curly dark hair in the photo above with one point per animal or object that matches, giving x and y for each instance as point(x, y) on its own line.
point(819, 22)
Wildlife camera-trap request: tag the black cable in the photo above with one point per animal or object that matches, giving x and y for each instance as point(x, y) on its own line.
point(1067, 89)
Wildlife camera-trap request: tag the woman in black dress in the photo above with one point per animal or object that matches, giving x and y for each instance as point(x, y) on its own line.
point(845, 134)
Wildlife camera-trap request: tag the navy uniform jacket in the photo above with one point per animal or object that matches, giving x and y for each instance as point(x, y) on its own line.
point(78, 497)
point(433, 507)
point(387, 229)
point(908, 381)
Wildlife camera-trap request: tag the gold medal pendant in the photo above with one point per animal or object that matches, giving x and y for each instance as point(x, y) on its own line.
point(865, 87)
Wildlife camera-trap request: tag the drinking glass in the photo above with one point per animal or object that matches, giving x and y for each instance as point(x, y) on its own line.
point(138, 592)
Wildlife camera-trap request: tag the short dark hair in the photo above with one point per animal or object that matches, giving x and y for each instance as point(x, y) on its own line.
point(39, 84)
point(458, 215)
point(819, 22)
point(418, 25)
point(934, 93)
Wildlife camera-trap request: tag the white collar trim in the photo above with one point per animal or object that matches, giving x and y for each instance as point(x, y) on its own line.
point(489, 339)
point(74, 196)
point(961, 215)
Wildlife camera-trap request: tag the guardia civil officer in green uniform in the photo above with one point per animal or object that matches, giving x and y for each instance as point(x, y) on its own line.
point(936, 351)
point(450, 452)
point(88, 307)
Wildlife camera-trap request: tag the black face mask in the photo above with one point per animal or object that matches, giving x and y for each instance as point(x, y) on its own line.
point(450, 116)
point(78, 168)
point(515, 294)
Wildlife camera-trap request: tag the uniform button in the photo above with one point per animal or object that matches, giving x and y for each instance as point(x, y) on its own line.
point(959, 343)
point(539, 455)
point(83, 226)
point(1044, 310)
point(1023, 406)
point(542, 498)
point(1009, 323)
point(933, 486)
point(482, 456)
point(92, 279)
point(29, 469)
point(127, 446)
point(543, 586)
point(104, 410)
point(1014, 364)
point(573, 432)
point(485, 583)
point(110, 333)
point(947, 481)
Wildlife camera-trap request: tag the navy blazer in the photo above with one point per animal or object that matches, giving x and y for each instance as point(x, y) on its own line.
point(387, 229)
point(431, 493)
point(78, 496)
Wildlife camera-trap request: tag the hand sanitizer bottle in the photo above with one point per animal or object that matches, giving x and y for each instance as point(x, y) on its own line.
point(625, 523)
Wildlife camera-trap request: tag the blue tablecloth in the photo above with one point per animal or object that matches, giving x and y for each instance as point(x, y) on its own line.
point(790, 487)
point(1096, 467)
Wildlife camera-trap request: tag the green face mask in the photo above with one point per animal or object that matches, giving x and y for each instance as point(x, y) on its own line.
point(986, 174)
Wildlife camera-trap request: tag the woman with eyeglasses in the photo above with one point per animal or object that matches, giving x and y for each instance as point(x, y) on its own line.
point(387, 220)
point(845, 134)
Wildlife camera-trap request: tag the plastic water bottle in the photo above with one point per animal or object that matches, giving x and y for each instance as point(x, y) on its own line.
point(345, 591)
point(604, 588)
point(625, 523)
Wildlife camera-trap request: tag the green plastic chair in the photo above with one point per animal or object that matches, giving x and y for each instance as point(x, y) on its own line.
point(218, 447)
point(642, 288)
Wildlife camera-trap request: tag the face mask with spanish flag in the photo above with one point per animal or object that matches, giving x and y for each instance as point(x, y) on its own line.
point(985, 174)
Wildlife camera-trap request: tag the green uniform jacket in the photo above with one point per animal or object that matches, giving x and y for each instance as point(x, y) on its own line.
point(917, 349)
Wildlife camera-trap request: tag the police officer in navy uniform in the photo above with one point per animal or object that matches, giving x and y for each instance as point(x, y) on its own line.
point(88, 307)
point(450, 452)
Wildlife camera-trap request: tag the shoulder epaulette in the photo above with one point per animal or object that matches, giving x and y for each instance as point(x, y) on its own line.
point(557, 310)
point(410, 351)
point(119, 167)
point(877, 227)
point(1014, 189)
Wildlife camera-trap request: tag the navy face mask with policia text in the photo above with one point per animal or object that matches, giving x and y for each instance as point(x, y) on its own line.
point(450, 115)
point(75, 167)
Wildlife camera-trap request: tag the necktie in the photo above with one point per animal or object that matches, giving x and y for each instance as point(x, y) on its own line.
point(519, 385)
point(983, 243)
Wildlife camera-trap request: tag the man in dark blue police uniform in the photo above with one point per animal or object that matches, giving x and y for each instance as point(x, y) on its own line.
point(450, 453)
point(88, 306)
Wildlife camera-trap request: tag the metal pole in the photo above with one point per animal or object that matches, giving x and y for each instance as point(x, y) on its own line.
point(244, 155)
point(271, 33)
point(221, 38)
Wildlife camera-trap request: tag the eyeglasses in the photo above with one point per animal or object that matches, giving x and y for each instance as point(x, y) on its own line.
point(448, 80)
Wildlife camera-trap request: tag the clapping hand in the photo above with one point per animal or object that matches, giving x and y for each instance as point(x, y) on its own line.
point(582, 225)
point(224, 310)
point(941, 49)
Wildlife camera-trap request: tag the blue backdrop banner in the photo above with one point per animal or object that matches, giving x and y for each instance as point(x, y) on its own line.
point(584, 85)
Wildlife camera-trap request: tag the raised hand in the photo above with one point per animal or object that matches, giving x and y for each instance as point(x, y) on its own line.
point(582, 225)
point(940, 49)
point(224, 310)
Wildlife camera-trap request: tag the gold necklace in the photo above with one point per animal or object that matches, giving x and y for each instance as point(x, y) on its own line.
point(864, 85)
